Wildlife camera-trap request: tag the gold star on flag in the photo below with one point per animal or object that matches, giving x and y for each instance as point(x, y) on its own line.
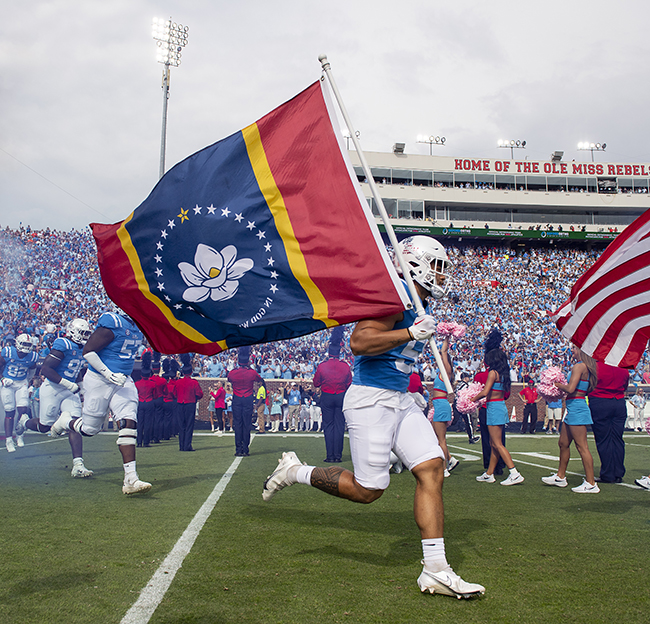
point(183, 216)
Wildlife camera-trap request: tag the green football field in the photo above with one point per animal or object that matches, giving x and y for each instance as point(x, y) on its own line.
point(80, 551)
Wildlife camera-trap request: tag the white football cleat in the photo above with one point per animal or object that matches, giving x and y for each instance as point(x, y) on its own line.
point(135, 487)
point(11, 447)
point(586, 488)
point(279, 479)
point(453, 462)
point(513, 479)
point(20, 425)
point(62, 425)
point(19, 441)
point(446, 473)
point(555, 480)
point(447, 582)
point(80, 471)
point(643, 482)
point(486, 478)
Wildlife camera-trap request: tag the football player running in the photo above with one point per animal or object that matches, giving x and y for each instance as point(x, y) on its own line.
point(110, 353)
point(60, 390)
point(18, 365)
point(382, 417)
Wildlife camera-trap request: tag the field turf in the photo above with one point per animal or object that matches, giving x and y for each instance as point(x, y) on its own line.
point(78, 550)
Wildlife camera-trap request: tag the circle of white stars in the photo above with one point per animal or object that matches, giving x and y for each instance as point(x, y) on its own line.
point(184, 216)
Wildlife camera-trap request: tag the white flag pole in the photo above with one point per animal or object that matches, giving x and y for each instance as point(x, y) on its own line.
point(415, 298)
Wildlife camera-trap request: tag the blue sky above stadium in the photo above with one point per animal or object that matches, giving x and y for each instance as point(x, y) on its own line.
point(82, 104)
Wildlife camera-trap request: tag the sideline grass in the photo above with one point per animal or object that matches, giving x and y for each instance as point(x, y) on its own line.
point(80, 551)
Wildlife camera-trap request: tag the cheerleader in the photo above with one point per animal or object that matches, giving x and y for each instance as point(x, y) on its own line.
point(495, 390)
point(441, 407)
point(582, 380)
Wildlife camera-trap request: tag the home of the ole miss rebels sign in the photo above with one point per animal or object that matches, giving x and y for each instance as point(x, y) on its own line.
point(558, 168)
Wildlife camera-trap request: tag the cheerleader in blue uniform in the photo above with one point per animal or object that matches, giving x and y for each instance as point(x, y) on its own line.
point(582, 380)
point(496, 388)
point(442, 408)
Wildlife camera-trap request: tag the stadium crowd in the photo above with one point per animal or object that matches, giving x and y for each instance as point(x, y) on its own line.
point(49, 277)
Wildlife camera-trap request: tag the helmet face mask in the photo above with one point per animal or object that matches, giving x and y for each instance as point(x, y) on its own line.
point(429, 264)
point(24, 344)
point(78, 331)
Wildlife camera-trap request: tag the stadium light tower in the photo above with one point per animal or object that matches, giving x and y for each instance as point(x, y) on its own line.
point(348, 136)
point(170, 38)
point(512, 144)
point(592, 147)
point(431, 140)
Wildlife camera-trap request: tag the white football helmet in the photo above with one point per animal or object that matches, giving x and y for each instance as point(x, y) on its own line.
point(428, 261)
point(24, 344)
point(78, 331)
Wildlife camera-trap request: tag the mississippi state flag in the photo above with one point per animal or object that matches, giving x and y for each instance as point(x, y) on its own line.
point(262, 236)
point(608, 314)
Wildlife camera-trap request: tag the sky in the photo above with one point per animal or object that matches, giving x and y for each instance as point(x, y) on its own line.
point(81, 97)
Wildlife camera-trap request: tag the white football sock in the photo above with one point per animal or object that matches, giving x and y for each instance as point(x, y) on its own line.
point(301, 474)
point(129, 471)
point(434, 554)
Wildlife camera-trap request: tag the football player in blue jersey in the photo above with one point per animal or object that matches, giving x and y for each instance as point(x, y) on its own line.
point(110, 353)
point(383, 417)
point(60, 390)
point(18, 365)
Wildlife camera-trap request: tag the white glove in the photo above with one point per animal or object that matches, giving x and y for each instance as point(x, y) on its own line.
point(419, 400)
point(6, 382)
point(69, 385)
point(118, 379)
point(423, 328)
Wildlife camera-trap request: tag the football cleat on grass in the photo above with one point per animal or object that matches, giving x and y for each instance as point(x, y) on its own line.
point(20, 425)
point(11, 447)
point(586, 488)
point(555, 480)
point(453, 462)
point(486, 478)
point(79, 471)
point(448, 583)
point(135, 487)
point(446, 473)
point(513, 479)
point(19, 441)
point(643, 482)
point(279, 479)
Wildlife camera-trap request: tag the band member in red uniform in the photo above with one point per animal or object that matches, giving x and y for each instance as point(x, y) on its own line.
point(242, 380)
point(159, 384)
point(333, 377)
point(145, 388)
point(188, 392)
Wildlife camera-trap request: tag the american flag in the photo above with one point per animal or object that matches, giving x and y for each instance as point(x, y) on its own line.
point(608, 314)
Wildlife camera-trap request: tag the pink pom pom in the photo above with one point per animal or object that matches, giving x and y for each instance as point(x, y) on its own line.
point(464, 404)
point(546, 387)
point(647, 426)
point(450, 329)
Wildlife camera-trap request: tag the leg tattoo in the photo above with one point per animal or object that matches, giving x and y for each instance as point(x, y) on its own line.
point(327, 479)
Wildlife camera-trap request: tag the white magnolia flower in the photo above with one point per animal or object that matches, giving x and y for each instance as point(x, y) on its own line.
point(216, 275)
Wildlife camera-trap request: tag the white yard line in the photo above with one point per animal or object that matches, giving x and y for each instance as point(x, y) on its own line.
point(3, 448)
point(153, 593)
